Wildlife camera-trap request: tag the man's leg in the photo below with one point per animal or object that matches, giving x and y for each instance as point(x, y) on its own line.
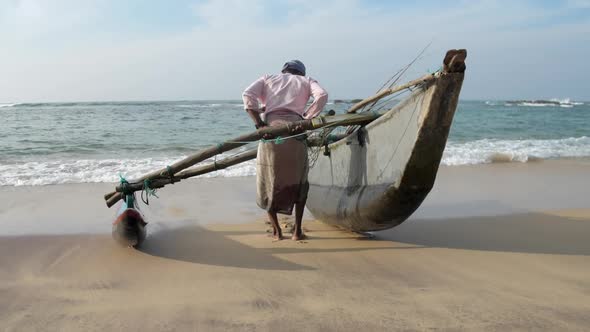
point(276, 229)
point(298, 232)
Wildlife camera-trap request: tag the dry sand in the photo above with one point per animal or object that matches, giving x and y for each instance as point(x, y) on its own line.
point(479, 255)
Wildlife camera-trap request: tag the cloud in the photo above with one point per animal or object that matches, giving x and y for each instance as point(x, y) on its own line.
point(31, 20)
point(350, 46)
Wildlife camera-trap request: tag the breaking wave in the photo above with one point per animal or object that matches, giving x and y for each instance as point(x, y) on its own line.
point(38, 173)
point(566, 103)
point(496, 151)
point(484, 151)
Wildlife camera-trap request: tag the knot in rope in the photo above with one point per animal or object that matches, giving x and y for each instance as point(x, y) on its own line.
point(124, 183)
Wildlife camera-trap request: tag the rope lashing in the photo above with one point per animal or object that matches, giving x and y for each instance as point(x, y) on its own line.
point(277, 140)
point(127, 196)
point(124, 183)
point(148, 192)
point(148, 189)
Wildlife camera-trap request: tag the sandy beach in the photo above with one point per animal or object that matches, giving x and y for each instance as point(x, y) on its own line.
point(491, 97)
point(493, 248)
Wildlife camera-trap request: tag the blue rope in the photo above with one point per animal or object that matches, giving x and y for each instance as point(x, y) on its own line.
point(127, 196)
point(146, 186)
point(148, 192)
point(277, 140)
point(124, 184)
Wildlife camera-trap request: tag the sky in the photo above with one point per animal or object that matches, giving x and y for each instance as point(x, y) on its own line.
point(105, 50)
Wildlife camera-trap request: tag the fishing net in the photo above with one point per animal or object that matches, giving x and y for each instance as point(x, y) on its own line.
point(385, 103)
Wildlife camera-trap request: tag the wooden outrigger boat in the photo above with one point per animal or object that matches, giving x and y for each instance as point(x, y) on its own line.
point(377, 177)
point(371, 179)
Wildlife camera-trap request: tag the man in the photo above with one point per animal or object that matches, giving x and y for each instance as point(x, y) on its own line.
point(282, 168)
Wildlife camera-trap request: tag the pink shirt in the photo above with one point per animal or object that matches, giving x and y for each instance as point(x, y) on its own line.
point(286, 92)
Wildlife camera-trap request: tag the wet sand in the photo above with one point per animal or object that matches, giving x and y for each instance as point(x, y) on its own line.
point(495, 247)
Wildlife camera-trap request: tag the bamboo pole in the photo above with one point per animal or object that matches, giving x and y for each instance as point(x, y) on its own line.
point(275, 131)
point(188, 173)
point(387, 92)
point(200, 170)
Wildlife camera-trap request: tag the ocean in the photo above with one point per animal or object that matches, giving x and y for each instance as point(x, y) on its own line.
point(54, 143)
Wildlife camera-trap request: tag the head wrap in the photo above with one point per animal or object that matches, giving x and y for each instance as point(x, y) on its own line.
point(294, 65)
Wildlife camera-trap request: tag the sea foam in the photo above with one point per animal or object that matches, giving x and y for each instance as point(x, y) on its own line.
point(95, 171)
point(107, 170)
point(490, 151)
point(554, 102)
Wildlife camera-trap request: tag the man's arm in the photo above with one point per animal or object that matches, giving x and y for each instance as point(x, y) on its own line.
point(252, 97)
point(255, 116)
point(320, 98)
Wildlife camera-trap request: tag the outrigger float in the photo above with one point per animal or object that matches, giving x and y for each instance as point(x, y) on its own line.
point(371, 178)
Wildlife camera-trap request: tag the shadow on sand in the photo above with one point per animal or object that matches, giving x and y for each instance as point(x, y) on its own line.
point(525, 233)
point(196, 244)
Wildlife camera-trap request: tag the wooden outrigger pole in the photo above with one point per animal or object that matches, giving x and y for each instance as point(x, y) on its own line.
point(172, 173)
point(384, 93)
point(188, 173)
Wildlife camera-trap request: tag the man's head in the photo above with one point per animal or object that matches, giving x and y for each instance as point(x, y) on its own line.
point(294, 67)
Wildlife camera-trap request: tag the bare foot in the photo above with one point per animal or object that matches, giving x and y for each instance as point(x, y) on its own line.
point(298, 237)
point(276, 236)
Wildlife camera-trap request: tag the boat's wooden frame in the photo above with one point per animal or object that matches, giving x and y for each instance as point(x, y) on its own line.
point(378, 176)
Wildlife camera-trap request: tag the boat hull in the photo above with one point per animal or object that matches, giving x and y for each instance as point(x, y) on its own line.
point(129, 227)
point(377, 177)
